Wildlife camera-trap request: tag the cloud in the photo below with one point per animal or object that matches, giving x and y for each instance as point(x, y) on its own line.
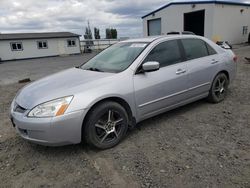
point(134, 8)
point(73, 15)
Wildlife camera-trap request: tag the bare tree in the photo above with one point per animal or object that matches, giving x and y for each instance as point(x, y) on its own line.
point(88, 32)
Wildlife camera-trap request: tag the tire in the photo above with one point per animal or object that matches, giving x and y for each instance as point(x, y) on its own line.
point(106, 125)
point(219, 88)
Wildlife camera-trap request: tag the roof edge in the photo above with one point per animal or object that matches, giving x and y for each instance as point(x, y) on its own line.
point(195, 2)
point(37, 35)
point(18, 38)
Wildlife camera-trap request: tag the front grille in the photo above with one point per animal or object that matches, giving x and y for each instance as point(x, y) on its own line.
point(18, 108)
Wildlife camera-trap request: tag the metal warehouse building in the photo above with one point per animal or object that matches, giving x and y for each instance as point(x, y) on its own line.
point(219, 20)
point(32, 45)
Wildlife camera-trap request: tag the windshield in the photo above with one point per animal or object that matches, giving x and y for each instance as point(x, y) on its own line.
point(116, 58)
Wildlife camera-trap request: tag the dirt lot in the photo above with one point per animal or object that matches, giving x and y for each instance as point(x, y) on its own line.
point(199, 145)
point(12, 71)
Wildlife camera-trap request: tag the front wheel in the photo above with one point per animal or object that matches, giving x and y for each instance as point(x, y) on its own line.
point(219, 88)
point(106, 125)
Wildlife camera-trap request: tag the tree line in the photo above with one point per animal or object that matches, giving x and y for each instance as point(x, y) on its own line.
point(111, 33)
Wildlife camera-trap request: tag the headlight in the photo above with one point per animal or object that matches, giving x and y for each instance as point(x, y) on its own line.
point(52, 108)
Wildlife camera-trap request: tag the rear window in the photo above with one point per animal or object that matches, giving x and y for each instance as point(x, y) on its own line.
point(195, 48)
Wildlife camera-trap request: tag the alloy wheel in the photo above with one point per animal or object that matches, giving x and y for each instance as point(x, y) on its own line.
point(108, 127)
point(220, 87)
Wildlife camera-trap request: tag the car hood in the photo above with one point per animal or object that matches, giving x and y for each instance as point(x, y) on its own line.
point(61, 84)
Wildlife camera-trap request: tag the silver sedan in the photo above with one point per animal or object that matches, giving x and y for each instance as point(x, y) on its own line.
point(130, 81)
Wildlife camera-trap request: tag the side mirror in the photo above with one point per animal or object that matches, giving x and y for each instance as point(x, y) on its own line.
point(151, 66)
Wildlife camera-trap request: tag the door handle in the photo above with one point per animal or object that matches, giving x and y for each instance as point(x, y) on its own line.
point(214, 61)
point(180, 71)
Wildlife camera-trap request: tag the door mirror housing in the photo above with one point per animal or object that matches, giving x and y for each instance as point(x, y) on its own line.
point(151, 66)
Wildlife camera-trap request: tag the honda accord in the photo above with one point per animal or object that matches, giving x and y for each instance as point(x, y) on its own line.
point(128, 82)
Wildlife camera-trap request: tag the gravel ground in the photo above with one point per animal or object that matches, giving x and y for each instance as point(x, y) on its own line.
point(12, 71)
point(199, 145)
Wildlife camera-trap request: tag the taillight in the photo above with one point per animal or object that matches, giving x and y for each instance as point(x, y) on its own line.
point(235, 59)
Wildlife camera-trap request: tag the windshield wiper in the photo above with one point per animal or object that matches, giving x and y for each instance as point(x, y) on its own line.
point(94, 69)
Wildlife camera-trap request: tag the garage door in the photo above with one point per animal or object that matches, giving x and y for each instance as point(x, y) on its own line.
point(154, 27)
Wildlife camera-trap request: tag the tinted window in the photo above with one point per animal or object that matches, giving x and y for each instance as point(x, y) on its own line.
point(211, 51)
point(166, 53)
point(195, 48)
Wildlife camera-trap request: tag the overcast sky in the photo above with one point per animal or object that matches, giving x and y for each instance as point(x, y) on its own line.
point(72, 15)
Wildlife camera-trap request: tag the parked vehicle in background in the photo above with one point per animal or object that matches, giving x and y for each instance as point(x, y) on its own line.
point(128, 82)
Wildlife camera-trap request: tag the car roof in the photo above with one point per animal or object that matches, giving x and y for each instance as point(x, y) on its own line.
point(154, 38)
point(145, 39)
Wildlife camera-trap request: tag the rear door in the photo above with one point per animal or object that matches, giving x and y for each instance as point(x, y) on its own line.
point(202, 64)
point(158, 90)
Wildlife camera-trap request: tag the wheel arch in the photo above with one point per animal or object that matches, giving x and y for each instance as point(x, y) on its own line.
point(226, 73)
point(119, 100)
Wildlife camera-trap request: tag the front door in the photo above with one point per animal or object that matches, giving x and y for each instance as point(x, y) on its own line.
point(158, 90)
point(61, 47)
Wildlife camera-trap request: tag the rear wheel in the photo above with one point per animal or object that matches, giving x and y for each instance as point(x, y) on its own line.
point(219, 88)
point(106, 125)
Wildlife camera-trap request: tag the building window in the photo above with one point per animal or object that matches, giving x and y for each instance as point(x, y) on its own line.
point(245, 30)
point(42, 45)
point(71, 43)
point(16, 46)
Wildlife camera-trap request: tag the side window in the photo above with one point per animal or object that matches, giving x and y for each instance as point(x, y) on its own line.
point(194, 48)
point(166, 53)
point(211, 51)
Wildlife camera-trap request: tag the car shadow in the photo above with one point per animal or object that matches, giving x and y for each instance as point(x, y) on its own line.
point(83, 147)
point(167, 115)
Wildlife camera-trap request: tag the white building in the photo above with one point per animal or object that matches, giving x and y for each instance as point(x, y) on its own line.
point(32, 45)
point(219, 20)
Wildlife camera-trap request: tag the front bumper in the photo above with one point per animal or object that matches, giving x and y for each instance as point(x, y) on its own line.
point(56, 131)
